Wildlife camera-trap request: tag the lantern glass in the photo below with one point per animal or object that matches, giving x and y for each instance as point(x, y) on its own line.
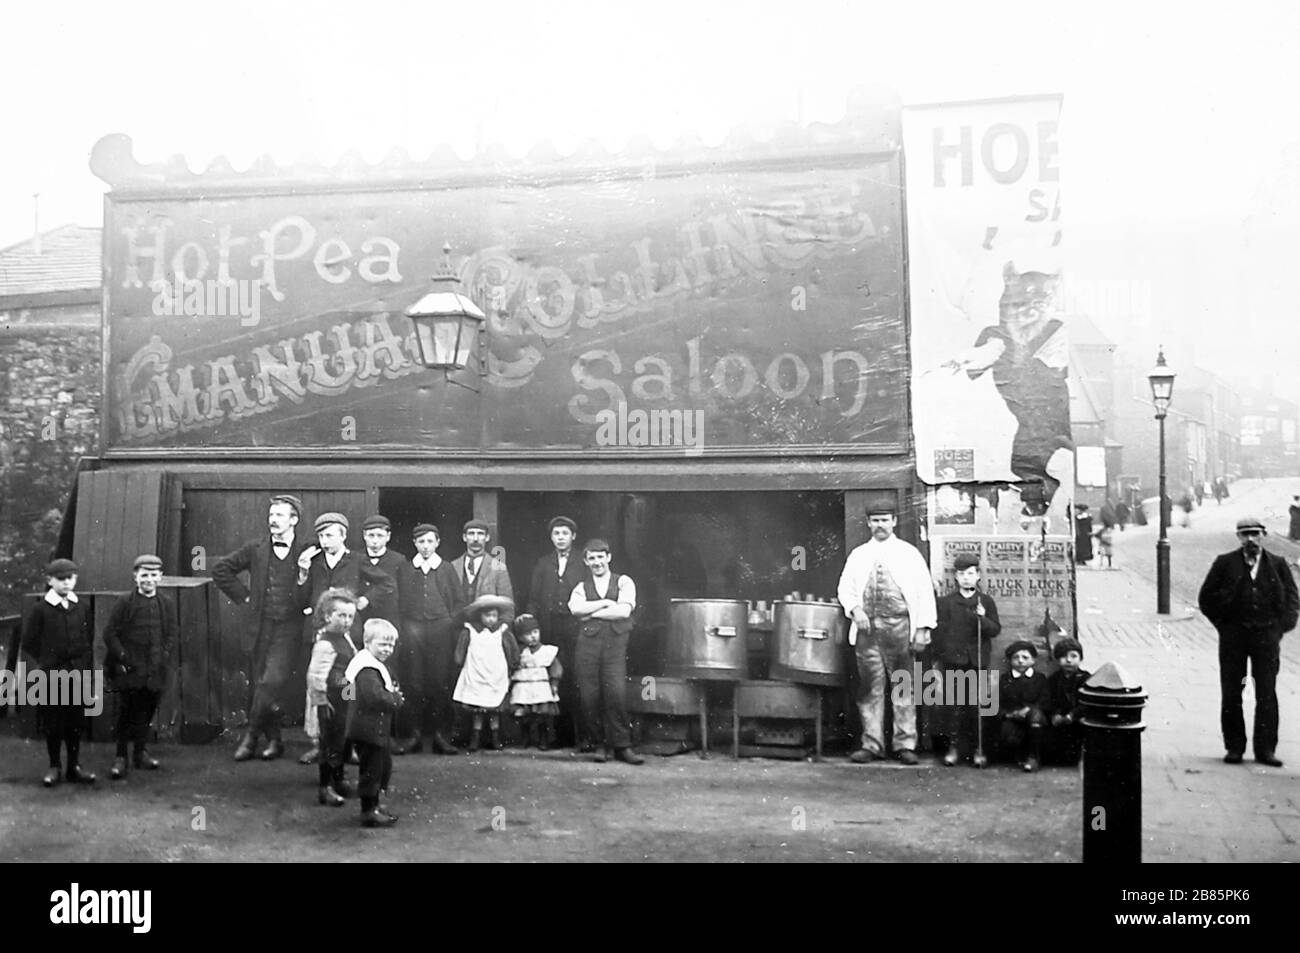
point(1161, 379)
point(443, 341)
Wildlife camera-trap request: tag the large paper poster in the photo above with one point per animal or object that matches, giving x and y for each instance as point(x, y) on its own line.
point(988, 341)
point(1028, 578)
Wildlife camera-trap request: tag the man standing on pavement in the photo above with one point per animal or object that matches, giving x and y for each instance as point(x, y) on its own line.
point(482, 574)
point(1251, 598)
point(553, 580)
point(272, 593)
point(886, 589)
point(603, 602)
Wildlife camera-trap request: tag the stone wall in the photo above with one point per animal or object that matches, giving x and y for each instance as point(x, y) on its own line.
point(50, 388)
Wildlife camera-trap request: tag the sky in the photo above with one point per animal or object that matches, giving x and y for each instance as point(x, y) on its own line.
point(1179, 146)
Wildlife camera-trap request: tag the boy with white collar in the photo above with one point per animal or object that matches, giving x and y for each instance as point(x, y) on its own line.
point(374, 699)
point(1022, 696)
point(430, 596)
point(56, 632)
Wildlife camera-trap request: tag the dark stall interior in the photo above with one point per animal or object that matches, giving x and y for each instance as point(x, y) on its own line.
point(673, 546)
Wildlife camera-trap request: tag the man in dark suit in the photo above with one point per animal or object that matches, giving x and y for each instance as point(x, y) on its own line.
point(553, 581)
point(273, 594)
point(482, 574)
point(1251, 598)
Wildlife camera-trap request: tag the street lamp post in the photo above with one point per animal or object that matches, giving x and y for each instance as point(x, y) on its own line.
point(1162, 392)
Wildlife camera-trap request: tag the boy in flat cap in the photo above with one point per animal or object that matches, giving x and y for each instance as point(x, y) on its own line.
point(430, 596)
point(554, 577)
point(380, 569)
point(886, 590)
point(482, 574)
point(273, 595)
point(1022, 696)
point(141, 641)
point(1250, 597)
point(56, 633)
point(1065, 737)
point(967, 620)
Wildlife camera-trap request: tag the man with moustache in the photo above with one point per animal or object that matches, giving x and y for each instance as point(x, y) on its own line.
point(553, 581)
point(1251, 598)
point(886, 590)
point(273, 594)
point(480, 573)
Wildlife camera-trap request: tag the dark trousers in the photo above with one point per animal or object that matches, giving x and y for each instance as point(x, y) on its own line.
point(333, 742)
point(600, 661)
point(426, 669)
point(135, 708)
point(957, 718)
point(63, 724)
point(1021, 738)
point(274, 658)
point(1261, 648)
point(376, 771)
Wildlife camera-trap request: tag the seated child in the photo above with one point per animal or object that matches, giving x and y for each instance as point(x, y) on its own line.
point(487, 653)
point(56, 632)
point(375, 699)
point(1065, 739)
point(1022, 696)
point(536, 684)
point(331, 653)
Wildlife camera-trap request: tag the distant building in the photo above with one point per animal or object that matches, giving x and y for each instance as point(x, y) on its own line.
point(1268, 430)
point(1201, 431)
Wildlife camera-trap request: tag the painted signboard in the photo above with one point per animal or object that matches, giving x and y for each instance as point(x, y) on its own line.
point(755, 308)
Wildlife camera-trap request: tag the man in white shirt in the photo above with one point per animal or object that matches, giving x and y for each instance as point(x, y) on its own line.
point(603, 602)
point(886, 590)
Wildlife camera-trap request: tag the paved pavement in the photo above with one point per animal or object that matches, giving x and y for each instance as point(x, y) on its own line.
point(1195, 807)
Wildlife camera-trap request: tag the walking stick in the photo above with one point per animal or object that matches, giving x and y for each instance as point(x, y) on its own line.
point(979, 760)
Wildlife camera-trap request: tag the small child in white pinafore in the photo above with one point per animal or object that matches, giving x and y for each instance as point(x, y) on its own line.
point(534, 693)
point(487, 653)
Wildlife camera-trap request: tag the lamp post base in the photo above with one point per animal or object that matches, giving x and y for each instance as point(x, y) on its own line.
point(1162, 577)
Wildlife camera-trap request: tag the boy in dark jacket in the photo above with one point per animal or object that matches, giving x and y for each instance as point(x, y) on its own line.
point(1022, 695)
point(56, 632)
point(430, 596)
point(967, 620)
point(1063, 709)
point(141, 641)
point(375, 699)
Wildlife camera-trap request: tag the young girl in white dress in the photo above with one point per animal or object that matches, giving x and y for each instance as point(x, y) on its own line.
point(487, 653)
point(534, 694)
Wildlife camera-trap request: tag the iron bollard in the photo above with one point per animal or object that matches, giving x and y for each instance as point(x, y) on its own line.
point(1112, 704)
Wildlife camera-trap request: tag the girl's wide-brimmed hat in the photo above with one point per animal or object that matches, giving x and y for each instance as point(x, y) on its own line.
point(500, 603)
